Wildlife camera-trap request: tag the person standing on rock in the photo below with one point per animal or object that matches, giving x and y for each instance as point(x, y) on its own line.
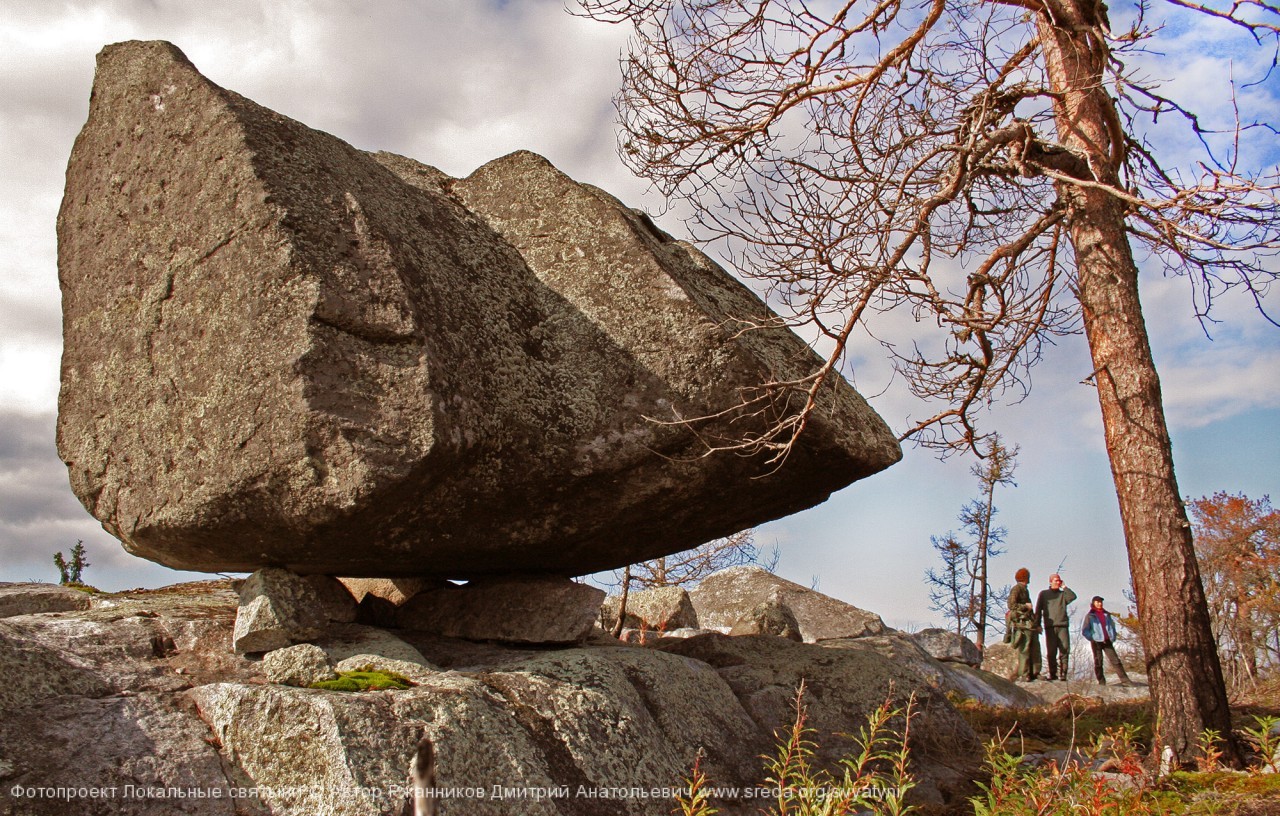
point(1051, 615)
point(1099, 629)
point(1020, 627)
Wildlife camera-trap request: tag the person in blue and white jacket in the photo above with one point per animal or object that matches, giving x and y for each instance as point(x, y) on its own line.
point(1099, 628)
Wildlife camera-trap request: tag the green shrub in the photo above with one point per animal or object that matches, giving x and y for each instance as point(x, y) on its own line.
point(1265, 742)
point(70, 572)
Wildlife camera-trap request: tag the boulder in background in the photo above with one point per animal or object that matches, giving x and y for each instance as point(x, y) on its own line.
point(723, 598)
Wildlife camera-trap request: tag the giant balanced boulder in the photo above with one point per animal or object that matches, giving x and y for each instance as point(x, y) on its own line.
point(283, 351)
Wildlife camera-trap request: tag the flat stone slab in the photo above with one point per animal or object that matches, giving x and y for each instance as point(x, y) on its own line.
point(34, 599)
point(281, 351)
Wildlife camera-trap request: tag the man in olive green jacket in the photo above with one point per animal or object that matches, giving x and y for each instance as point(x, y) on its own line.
point(1051, 613)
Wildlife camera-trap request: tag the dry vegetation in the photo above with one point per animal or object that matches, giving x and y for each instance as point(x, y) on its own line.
point(1077, 757)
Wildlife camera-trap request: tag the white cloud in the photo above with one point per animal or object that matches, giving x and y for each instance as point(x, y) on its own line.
point(1204, 387)
point(30, 374)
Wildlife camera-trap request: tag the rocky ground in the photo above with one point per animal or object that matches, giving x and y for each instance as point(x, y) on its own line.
point(137, 702)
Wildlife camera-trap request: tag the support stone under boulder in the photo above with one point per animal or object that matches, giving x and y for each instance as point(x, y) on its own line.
point(512, 609)
point(656, 610)
point(278, 608)
point(283, 351)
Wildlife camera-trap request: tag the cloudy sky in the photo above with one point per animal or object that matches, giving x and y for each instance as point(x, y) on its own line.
point(454, 83)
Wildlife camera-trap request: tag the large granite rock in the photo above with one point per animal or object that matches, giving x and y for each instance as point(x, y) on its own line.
point(282, 351)
point(840, 684)
point(147, 693)
point(958, 679)
point(1000, 659)
point(948, 646)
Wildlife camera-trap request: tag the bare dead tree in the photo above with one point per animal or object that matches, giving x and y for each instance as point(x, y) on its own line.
point(691, 566)
point(962, 589)
point(949, 584)
point(988, 166)
point(978, 516)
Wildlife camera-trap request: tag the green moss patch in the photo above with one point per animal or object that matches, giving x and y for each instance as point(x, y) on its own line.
point(365, 680)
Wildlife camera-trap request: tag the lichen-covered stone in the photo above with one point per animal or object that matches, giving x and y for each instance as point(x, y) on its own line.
point(282, 351)
point(770, 617)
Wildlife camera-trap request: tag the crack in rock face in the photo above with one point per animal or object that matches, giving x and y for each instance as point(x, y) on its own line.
point(283, 351)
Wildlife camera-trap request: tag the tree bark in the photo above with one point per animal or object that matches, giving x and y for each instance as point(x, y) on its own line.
point(1183, 668)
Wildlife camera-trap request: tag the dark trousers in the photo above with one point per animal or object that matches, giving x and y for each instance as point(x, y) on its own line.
point(1112, 658)
point(1057, 647)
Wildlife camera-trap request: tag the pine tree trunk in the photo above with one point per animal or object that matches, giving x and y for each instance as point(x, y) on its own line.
point(1182, 659)
point(1183, 668)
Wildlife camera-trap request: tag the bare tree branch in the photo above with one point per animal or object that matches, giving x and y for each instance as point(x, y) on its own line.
point(985, 168)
